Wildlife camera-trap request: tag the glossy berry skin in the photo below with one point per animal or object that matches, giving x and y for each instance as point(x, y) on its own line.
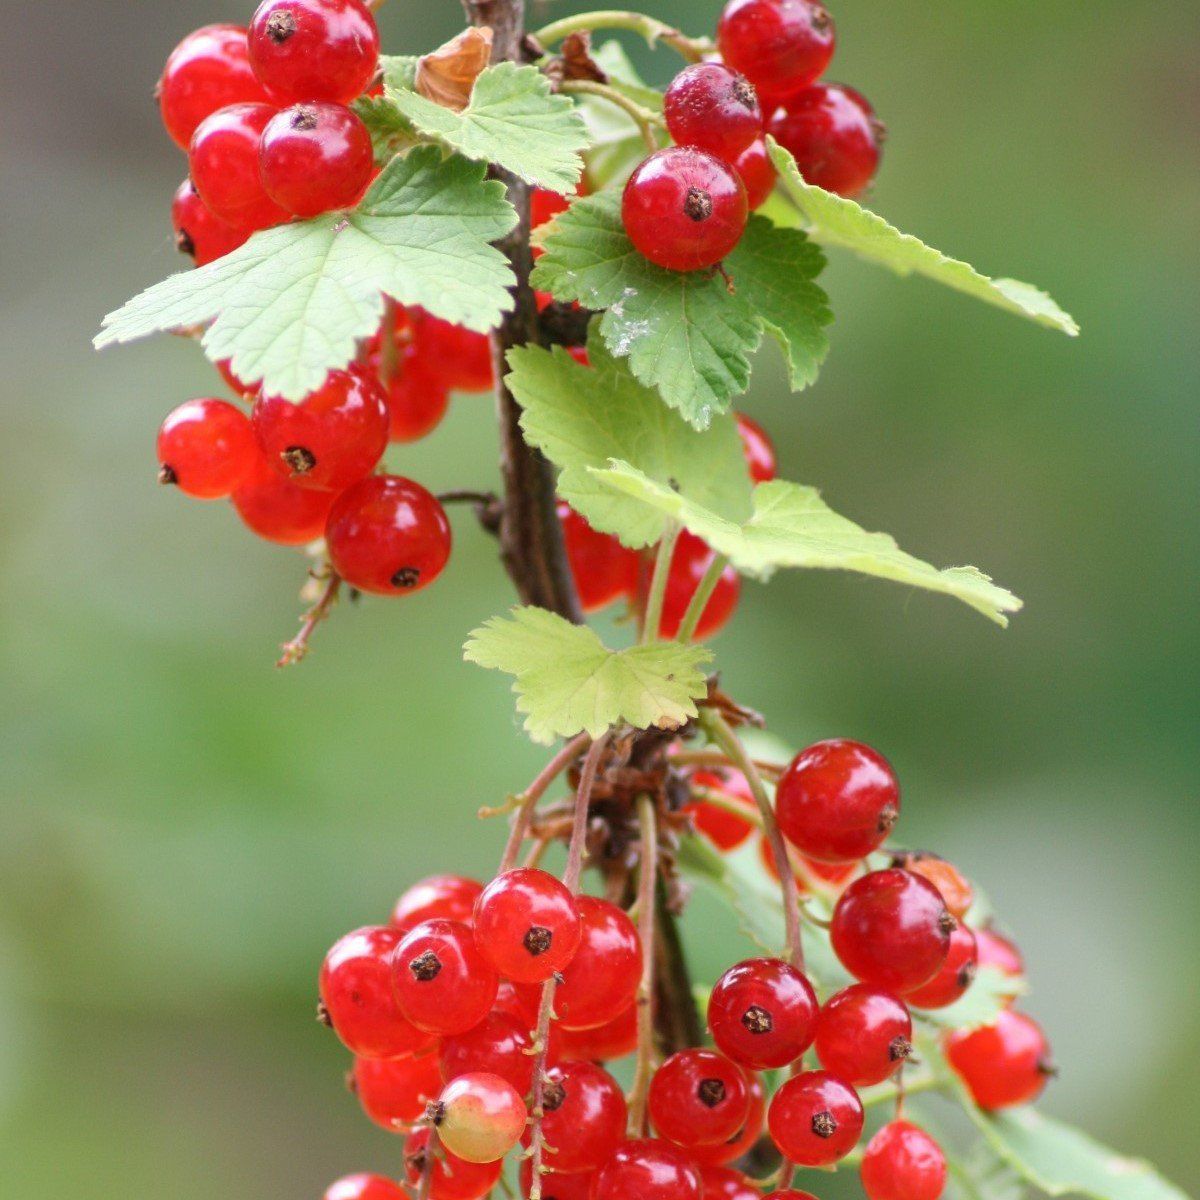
point(892, 929)
point(650, 1170)
point(601, 981)
point(356, 996)
point(834, 136)
point(946, 877)
point(1003, 1064)
point(556, 1185)
point(723, 1183)
point(757, 173)
point(815, 1119)
point(206, 448)
point(712, 108)
point(239, 387)
point(441, 981)
point(462, 357)
point(451, 1177)
point(757, 447)
point(480, 1117)
point(689, 563)
point(585, 1115)
point(994, 950)
point(393, 1092)
point(500, 1044)
point(837, 801)
point(451, 897)
point(305, 50)
point(207, 71)
point(698, 1097)
point(388, 535)
point(725, 829)
point(864, 1035)
point(279, 511)
point(526, 925)
point(223, 164)
point(683, 209)
point(721, 1153)
point(365, 1187)
point(790, 1194)
point(522, 1001)
point(832, 874)
point(315, 158)
point(902, 1162)
point(615, 1039)
point(198, 234)
point(330, 439)
point(955, 976)
point(762, 1013)
point(781, 46)
point(417, 396)
point(603, 570)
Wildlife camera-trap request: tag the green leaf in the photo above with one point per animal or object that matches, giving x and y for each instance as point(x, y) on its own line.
point(513, 120)
point(615, 144)
point(686, 333)
point(835, 221)
point(989, 994)
point(567, 681)
point(791, 526)
point(582, 417)
point(390, 130)
point(292, 304)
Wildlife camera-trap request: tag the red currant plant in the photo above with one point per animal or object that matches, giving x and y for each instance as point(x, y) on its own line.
point(521, 211)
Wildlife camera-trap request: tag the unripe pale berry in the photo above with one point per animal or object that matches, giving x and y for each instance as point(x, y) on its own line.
point(479, 1117)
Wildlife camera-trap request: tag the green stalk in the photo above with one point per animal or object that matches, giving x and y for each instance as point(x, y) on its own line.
point(692, 49)
point(652, 618)
point(700, 598)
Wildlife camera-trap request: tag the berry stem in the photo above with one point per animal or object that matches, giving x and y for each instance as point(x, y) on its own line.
point(642, 117)
point(700, 598)
point(652, 615)
point(719, 800)
point(692, 49)
point(297, 648)
point(427, 1164)
point(647, 874)
point(714, 758)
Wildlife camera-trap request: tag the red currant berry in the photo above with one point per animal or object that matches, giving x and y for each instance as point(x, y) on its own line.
point(683, 209)
point(757, 173)
point(603, 569)
point(237, 386)
point(198, 234)
point(526, 925)
point(902, 1162)
point(698, 1097)
point(892, 929)
point(545, 206)
point(834, 136)
point(207, 71)
point(500, 1044)
point(442, 983)
point(726, 830)
point(480, 1117)
point(206, 449)
point(393, 1092)
point(417, 397)
point(722, 1183)
point(650, 1170)
point(357, 1000)
point(955, 976)
point(522, 1001)
point(994, 950)
point(815, 1119)
point(790, 1194)
point(615, 1039)
point(450, 1177)
point(762, 1013)
point(837, 801)
point(689, 563)
point(388, 535)
point(462, 357)
point(556, 1185)
point(805, 868)
point(781, 46)
point(1003, 1064)
point(756, 445)
point(742, 1141)
point(451, 897)
point(315, 158)
point(585, 1115)
point(714, 109)
point(602, 979)
point(223, 163)
point(955, 888)
point(305, 50)
point(330, 439)
point(365, 1187)
point(864, 1035)
point(278, 510)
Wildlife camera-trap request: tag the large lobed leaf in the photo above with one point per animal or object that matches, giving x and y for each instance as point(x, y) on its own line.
point(292, 304)
point(567, 681)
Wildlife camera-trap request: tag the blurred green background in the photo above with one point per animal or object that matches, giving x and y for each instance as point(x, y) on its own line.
point(185, 829)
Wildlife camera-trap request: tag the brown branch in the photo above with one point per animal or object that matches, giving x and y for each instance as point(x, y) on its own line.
point(647, 875)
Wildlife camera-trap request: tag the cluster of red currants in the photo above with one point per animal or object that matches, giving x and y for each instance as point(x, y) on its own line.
point(685, 207)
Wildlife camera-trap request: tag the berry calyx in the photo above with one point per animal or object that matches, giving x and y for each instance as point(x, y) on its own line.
point(719, 1154)
point(526, 925)
point(892, 929)
point(955, 975)
point(198, 233)
point(683, 209)
point(603, 570)
point(864, 1035)
point(689, 563)
point(206, 449)
point(762, 1013)
point(902, 1162)
point(279, 511)
point(450, 1177)
point(585, 1115)
point(1004, 1064)
point(449, 896)
point(757, 447)
point(223, 165)
point(305, 50)
point(757, 173)
point(479, 1117)
point(388, 535)
point(315, 158)
point(601, 981)
point(650, 1170)
point(781, 46)
point(500, 1044)
point(714, 109)
point(441, 981)
point(815, 1119)
point(394, 1092)
point(365, 1187)
point(698, 1097)
point(834, 136)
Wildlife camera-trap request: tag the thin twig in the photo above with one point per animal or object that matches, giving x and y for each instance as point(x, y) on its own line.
point(532, 794)
point(715, 758)
point(645, 998)
point(466, 496)
point(297, 648)
point(430, 1154)
point(643, 118)
point(693, 49)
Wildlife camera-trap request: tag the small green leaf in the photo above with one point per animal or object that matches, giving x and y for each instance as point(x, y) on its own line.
point(793, 527)
point(582, 417)
point(686, 333)
point(292, 304)
point(835, 221)
point(567, 681)
point(990, 993)
point(390, 130)
point(513, 120)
